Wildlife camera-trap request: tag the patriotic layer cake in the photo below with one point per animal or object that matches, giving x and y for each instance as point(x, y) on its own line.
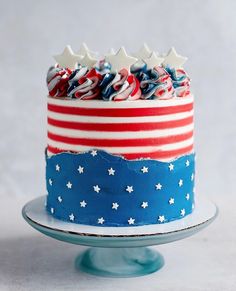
point(120, 138)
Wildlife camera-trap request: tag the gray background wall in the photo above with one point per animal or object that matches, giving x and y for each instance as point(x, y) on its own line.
point(32, 31)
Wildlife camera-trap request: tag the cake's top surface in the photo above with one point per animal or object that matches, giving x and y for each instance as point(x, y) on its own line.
point(118, 76)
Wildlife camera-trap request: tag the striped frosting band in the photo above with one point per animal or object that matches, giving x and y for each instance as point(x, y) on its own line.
point(158, 129)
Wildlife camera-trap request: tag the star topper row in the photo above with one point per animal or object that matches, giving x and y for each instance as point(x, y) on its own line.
point(120, 59)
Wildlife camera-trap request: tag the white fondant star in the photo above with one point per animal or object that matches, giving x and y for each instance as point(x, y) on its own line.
point(182, 212)
point(111, 51)
point(115, 205)
point(83, 203)
point(88, 61)
point(143, 53)
point(96, 188)
point(120, 60)
point(101, 220)
point(84, 49)
point(187, 163)
point(144, 205)
point(194, 189)
point(131, 220)
point(57, 168)
point(59, 199)
point(144, 169)
point(193, 206)
point(80, 169)
point(173, 59)
point(187, 196)
point(50, 182)
point(153, 61)
point(171, 201)
point(52, 210)
point(161, 218)
point(181, 183)
point(129, 189)
point(111, 172)
point(192, 177)
point(68, 59)
point(158, 186)
point(94, 153)
point(171, 167)
point(69, 185)
point(72, 217)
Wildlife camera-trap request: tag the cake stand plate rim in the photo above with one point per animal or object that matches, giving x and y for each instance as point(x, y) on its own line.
point(35, 214)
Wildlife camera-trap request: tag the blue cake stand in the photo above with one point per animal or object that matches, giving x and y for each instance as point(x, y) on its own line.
point(119, 251)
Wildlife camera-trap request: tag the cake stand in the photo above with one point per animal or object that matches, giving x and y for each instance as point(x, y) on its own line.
point(119, 251)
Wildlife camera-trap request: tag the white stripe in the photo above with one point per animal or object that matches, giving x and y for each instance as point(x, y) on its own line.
point(122, 150)
point(120, 135)
point(95, 119)
point(176, 101)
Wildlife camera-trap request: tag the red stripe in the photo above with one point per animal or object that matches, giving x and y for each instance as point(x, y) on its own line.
point(120, 126)
point(120, 112)
point(120, 142)
point(152, 155)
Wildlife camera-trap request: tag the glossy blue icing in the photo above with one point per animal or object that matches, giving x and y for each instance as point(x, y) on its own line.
point(63, 168)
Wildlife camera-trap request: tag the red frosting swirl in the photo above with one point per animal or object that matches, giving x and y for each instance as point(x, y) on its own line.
point(57, 81)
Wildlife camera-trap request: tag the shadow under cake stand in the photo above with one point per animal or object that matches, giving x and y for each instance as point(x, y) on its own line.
point(119, 251)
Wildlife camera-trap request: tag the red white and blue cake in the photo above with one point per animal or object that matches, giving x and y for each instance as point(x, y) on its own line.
point(120, 138)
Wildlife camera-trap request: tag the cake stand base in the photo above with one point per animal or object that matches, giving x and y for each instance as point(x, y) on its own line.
point(119, 251)
point(119, 262)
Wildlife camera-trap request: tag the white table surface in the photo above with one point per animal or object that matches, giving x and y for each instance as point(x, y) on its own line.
point(31, 31)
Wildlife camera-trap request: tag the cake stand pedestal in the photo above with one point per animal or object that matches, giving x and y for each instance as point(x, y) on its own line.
point(119, 251)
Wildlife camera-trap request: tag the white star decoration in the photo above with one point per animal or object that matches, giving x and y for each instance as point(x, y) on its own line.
point(67, 59)
point(72, 217)
point(182, 212)
point(161, 218)
point(129, 189)
point(171, 167)
point(69, 185)
point(171, 201)
point(187, 163)
point(84, 49)
point(120, 60)
point(192, 177)
point(83, 204)
point(131, 221)
point(193, 206)
point(144, 169)
point(52, 210)
point(50, 182)
point(111, 172)
point(143, 53)
point(181, 183)
point(80, 169)
point(59, 199)
point(115, 205)
point(158, 186)
point(187, 196)
point(88, 61)
point(144, 205)
point(57, 168)
point(174, 60)
point(96, 188)
point(101, 220)
point(93, 153)
point(153, 61)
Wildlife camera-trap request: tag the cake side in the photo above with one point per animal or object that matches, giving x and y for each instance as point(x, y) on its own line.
point(156, 129)
point(97, 188)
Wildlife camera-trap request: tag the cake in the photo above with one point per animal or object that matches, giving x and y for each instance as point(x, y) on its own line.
point(120, 138)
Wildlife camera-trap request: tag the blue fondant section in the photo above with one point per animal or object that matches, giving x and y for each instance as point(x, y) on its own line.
point(63, 168)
